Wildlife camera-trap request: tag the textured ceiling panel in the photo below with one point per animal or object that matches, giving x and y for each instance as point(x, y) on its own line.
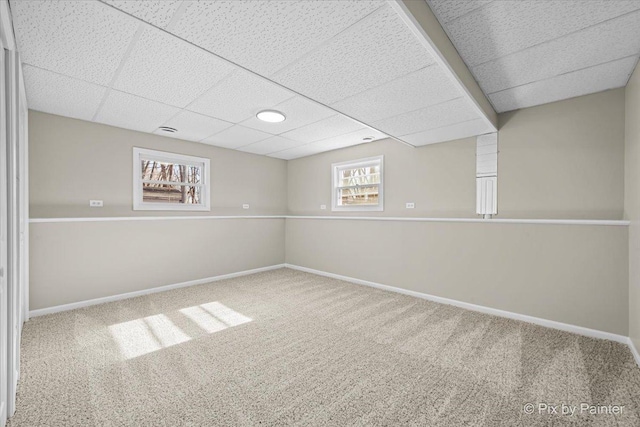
point(327, 128)
point(264, 36)
point(270, 145)
point(57, 94)
point(448, 133)
point(239, 97)
point(298, 111)
point(166, 69)
point(342, 141)
point(595, 79)
point(374, 51)
point(448, 10)
point(507, 26)
point(601, 43)
point(193, 126)
point(425, 87)
point(297, 152)
point(81, 39)
point(132, 112)
point(155, 12)
point(447, 113)
point(236, 136)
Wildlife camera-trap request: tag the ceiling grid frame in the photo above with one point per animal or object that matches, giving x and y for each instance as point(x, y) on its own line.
point(182, 110)
point(248, 70)
point(516, 72)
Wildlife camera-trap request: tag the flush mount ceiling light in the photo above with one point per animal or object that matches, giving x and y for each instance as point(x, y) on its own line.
point(271, 116)
point(168, 129)
point(368, 138)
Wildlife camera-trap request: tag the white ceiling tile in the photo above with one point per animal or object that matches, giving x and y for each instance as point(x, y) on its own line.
point(376, 50)
point(169, 70)
point(57, 94)
point(155, 12)
point(81, 39)
point(327, 128)
point(264, 36)
point(447, 113)
point(595, 79)
point(341, 141)
point(601, 43)
point(425, 87)
point(236, 136)
point(507, 26)
point(131, 112)
point(239, 97)
point(350, 139)
point(193, 126)
point(299, 112)
point(448, 133)
point(297, 152)
point(270, 145)
point(448, 10)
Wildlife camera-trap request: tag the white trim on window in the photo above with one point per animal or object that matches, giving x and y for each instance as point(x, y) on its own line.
point(139, 205)
point(336, 168)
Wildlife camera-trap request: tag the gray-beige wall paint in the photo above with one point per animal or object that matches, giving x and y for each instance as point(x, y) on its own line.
point(73, 161)
point(78, 261)
point(559, 160)
point(566, 273)
point(632, 199)
point(439, 179)
point(563, 160)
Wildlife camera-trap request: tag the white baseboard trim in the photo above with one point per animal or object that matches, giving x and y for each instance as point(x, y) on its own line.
point(593, 333)
point(634, 351)
point(87, 303)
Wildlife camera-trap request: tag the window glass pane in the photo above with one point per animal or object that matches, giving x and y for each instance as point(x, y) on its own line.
point(178, 194)
point(359, 176)
point(358, 196)
point(153, 170)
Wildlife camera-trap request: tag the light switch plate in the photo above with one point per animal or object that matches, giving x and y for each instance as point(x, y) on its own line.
point(95, 203)
point(411, 205)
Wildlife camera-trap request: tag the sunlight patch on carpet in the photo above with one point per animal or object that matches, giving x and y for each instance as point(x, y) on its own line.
point(152, 333)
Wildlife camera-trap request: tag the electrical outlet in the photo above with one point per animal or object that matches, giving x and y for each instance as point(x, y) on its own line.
point(323, 207)
point(95, 203)
point(411, 205)
point(245, 206)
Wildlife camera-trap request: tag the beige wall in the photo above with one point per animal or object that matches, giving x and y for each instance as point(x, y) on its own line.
point(73, 161)
point(77, 261)
point(564, 159)
point(439, 179)
point(632, 199)
point(572, 274)
point(566, 273)
point(560, 160)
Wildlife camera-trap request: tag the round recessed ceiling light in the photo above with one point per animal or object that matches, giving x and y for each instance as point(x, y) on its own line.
point(168, 129)
point(271, 116)
point(368, 138)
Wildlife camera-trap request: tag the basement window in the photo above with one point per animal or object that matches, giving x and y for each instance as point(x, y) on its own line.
point(169, 182)
point(357, 185)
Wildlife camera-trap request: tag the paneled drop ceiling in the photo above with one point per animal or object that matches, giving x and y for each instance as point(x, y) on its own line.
point(340, 70)
point(525, 52)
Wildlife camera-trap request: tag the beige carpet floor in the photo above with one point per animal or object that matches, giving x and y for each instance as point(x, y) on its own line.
point(289, 348)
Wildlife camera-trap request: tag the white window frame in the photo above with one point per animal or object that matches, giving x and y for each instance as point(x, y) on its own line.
point(142, 153)
point(336, 168)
